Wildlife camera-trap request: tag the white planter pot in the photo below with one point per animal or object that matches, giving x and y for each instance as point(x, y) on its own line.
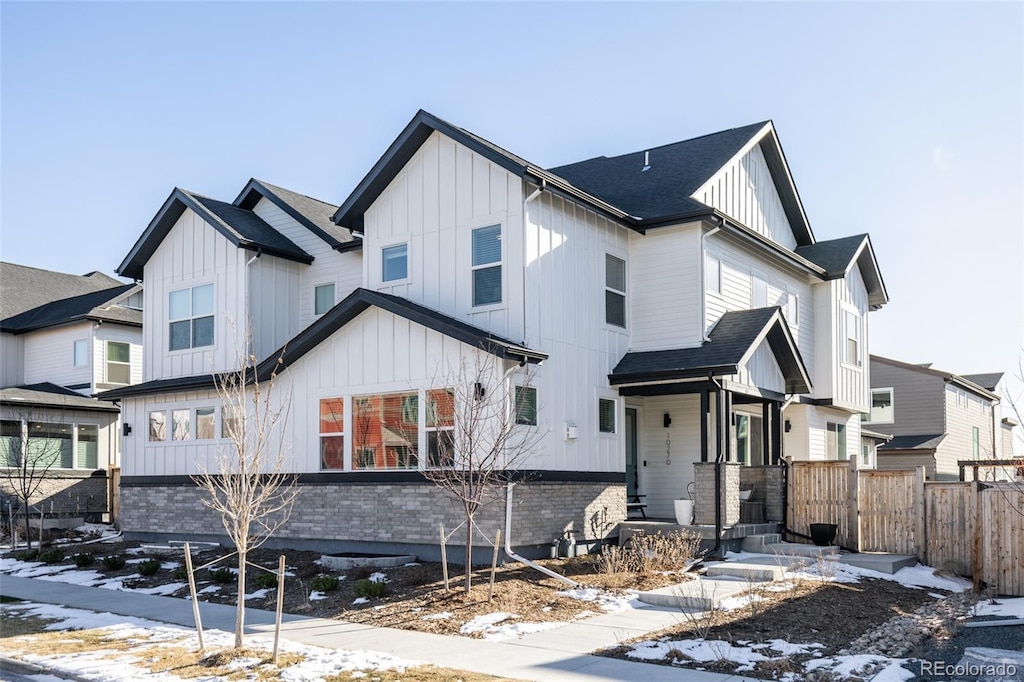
point(684, 512)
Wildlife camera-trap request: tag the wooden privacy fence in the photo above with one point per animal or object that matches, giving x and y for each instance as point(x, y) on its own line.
point(967, 528)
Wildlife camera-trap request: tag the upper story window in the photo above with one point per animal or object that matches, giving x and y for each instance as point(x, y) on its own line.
point(792, 309)
point(323, 298)
point(614, 291)
point(713, 274)
point(881, 406)
point(119, 362)
point(81, 353)
point(191, 317)
point(852, 331)
point(976, 442)
point(394, 263)
point(487, 265)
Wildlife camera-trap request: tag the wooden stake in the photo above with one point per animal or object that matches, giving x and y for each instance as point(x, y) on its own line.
point(280, 606)
point(494, 563)
point(195, 597)
point(444, 558)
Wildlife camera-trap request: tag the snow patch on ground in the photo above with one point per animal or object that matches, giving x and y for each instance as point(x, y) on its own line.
point(379, 578)
point(259, 594)
point(442, 615)
point(606, 600)
point(498, 627)
point(1003, 607)
point(889, 669)
point(315, 596)
point(360, 600)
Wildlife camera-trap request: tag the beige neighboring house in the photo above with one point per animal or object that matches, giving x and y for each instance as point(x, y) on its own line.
point(63, 337)
point(936, 418)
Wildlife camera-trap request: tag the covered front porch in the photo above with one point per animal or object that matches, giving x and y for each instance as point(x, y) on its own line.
point(704, 425)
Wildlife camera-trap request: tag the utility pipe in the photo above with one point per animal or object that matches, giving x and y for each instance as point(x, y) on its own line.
point(508, 542)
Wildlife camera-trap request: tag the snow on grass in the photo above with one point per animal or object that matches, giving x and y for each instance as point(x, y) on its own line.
point(1000, 607)
point(606, 600)
point(110, 666)
point(260, 594)
point(744, 654)
point(740, 601)
point(498, 626)
point(314, 596)
point(165, 589)
point(441, 615)
point(360, 600)
point(845, 667)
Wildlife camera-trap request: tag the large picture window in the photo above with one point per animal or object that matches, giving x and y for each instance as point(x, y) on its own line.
point(385, 431)
point(487, 265)
point(332, 434)
point(10, 443)
point(190, 314)
point(49, 445)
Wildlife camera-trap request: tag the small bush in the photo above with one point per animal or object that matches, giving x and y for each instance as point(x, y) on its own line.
point(324, 583)
point(266, 580)
point(27, 555)
point(52, 556)
point(83, 559)
point(149, 567)
point(672, 552)
point(113, 562)
point(370, 589)
point(180, 573)
point(222, 575)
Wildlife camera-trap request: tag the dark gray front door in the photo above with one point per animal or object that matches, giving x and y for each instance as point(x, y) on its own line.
point(632, 472)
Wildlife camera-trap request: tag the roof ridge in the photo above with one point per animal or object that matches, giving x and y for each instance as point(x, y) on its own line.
point(301, 194)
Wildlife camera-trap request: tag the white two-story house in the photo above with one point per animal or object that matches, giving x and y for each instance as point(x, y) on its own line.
point(672, 305)
point(64, 337)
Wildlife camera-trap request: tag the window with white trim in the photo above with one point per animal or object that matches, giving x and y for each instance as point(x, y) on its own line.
point(230, 421)
point(205, 419)
point(882, 411)
point(385, 431)
point(190, 316)
point(835, 441)
point(792, 309)
point(526, 405)
point(323, 298)
point(332, 434)
point(486, 265)
point(440, 427)
point(614, 290)
point(394, 264)
point(81, 353)
point(181, 424)
point(119, 362)
point(976, 442)
point(852, 333)
point(713, 274)
point(157, 426)
point(605, 415)
point(64, 445)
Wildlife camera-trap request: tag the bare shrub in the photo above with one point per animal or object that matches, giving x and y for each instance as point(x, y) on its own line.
point(676, 551)
point(615, 560)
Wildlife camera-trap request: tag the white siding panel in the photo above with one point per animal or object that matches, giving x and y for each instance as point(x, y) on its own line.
point(745, 191)
point(274, 295)
point(12, 360)
point(120, 333)
point(664, 482)
point(665, 285)
point(762, 370)
point(49, 355)
point(852, 381)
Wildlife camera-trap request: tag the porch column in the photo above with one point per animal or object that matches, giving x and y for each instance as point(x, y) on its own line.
point(729, 495)
point(767, 428)
point(705, 415)
point(776, 444)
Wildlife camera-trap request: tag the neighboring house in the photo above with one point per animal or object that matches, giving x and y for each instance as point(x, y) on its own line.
point(676, 301)
point(936, 418)
point(64, 337)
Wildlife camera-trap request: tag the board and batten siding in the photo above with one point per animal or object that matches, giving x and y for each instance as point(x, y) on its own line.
point(918, 400)
point(665, 283)
point(443, 193)
point(852, 382)
point(344, 270)
point(193, 253)
point(806, 439)
point(50, 355)
point(745, 191)
point(122, 334)
point(960, 423)
point(142, 457)
point(762, 370)
point(274, 294)
point(565, 249)
point(12, 360)
point(749, 281)
point(666, 470)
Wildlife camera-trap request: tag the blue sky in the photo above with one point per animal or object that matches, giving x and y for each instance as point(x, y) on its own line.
point(902, 120)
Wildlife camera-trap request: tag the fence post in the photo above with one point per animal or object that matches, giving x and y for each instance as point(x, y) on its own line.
point(921, 530)
point(852, 507)
point(977, 564)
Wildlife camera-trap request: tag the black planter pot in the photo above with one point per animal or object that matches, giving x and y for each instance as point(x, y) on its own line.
point(823, 534)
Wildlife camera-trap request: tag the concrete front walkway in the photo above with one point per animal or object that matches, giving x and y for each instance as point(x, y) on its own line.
point(559, 654)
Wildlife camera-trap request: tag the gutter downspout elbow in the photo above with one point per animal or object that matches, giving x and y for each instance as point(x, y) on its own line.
point(508, 543)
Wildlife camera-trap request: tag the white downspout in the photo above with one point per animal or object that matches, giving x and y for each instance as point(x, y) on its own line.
point(508, 542)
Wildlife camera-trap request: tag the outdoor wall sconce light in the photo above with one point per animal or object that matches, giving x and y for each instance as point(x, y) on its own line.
point(667, 420)
point(788, 426)
point(478, 391)
point(126, 428)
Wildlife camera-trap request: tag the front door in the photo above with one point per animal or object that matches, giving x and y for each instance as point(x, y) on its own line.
point(632, 472)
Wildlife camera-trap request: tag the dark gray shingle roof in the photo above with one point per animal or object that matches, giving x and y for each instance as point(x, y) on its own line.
point(314, 214)
point(48, 395)
point(923, 442)
point(98, 305)
point(23, 288)
point(834, 255)
point(676, 171)
point(729, 342)
point(987, 380)
point(251, 228)
point(333, 320)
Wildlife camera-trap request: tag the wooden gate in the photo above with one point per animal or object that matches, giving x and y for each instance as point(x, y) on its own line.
point(114, 494)
point(889, 506)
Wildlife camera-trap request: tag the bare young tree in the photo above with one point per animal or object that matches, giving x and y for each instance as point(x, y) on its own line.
point(32, 444)
point(250, 488)
point(482, 434)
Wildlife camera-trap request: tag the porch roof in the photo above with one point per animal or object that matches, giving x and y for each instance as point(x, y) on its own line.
point(928, 441)
point(730, 344)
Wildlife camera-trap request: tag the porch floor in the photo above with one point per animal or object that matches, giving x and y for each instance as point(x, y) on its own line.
point(653, 526)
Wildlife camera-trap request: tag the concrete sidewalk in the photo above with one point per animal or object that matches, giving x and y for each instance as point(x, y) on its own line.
point(558, 654)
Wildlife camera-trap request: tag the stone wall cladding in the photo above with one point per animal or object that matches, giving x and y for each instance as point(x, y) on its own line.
point(704, 507)
point(767, 484)
point(398, 514)
point(65, 492)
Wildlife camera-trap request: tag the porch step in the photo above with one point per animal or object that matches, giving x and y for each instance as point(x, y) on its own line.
point(756, 543)
point(884, 563)
point(753, 570)
point(771, 543)
point(700, 594)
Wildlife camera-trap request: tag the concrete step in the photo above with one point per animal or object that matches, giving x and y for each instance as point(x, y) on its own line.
point(739, 569)
point(884, 563)
point(700, 594)
point(797, 549)
point(755, 543)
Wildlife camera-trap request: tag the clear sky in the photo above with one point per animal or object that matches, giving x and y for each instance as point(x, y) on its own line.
point(902, 120)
